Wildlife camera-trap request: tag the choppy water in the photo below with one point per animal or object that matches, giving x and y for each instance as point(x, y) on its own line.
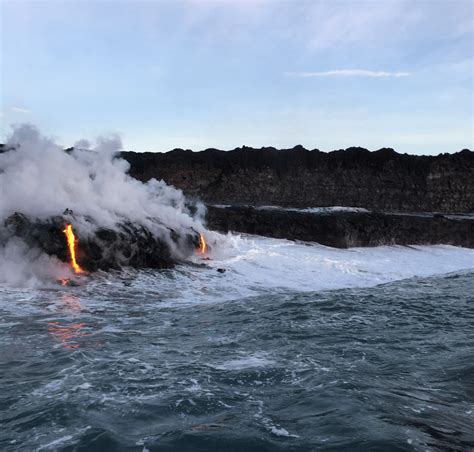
point(294, 347)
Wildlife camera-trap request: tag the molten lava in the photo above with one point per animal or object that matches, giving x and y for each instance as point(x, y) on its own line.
point(202, 244)
point(71, 241)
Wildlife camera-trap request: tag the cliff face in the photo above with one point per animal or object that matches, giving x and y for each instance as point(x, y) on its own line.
point(381, 180)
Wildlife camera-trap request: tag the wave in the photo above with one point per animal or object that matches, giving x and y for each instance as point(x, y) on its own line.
point(252, 266)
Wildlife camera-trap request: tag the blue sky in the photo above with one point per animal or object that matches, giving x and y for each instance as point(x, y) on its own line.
point(195, 74)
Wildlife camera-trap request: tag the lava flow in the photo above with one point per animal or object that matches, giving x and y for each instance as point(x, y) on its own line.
point(202, 244)
point(71, 241)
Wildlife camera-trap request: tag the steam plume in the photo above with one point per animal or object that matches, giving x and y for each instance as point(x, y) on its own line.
point(40, 179)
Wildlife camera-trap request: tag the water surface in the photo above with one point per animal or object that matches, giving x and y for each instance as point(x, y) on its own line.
point(192, 359)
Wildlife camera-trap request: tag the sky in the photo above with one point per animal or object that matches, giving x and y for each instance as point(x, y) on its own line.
point(195, 74)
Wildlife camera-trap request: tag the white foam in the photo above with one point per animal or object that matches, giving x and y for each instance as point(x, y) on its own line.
point(333, 209)
point(57, 442)
point(280, 431)
point(256, 265)
point(328, 209)
point(245, 362)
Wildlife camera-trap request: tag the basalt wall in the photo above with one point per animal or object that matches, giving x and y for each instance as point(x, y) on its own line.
point(382, 180)
point(342, 229)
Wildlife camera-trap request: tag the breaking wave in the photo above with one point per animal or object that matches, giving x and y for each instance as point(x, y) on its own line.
point(253, 266)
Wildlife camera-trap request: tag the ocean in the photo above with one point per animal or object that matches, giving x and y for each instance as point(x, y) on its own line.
point(288, 347)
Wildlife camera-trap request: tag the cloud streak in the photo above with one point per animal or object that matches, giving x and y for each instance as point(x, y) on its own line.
point(348, 73)
point(20, 110)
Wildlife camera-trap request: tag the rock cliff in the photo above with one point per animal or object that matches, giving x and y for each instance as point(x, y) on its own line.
point(297, 177)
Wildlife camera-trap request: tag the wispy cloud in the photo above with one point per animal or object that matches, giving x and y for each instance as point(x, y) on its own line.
point(348, 73)
point(20, 110)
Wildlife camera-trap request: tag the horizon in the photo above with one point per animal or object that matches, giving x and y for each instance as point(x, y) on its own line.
point(242, 147)
point(349, 148)
point(198, 75)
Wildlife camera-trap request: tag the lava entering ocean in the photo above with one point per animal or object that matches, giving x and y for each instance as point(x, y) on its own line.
point(124, 222)
point(71, 241)
point(202, 244)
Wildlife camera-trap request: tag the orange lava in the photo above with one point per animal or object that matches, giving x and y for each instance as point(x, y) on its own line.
point(202, 244)
point(71, 241)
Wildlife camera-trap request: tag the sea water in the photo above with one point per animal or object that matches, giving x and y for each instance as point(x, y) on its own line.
point(290, 346)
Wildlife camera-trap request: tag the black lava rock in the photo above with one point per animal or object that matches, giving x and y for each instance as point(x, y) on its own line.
point(103, 249)
point(342, 229)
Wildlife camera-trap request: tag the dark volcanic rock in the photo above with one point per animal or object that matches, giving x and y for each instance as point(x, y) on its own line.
point(382, 180)
point(105, 249)
point(345, 229)
point(5, 148)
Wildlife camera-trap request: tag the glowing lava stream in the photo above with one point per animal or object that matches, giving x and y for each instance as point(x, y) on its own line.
point(202, 244)
point(71, 241)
